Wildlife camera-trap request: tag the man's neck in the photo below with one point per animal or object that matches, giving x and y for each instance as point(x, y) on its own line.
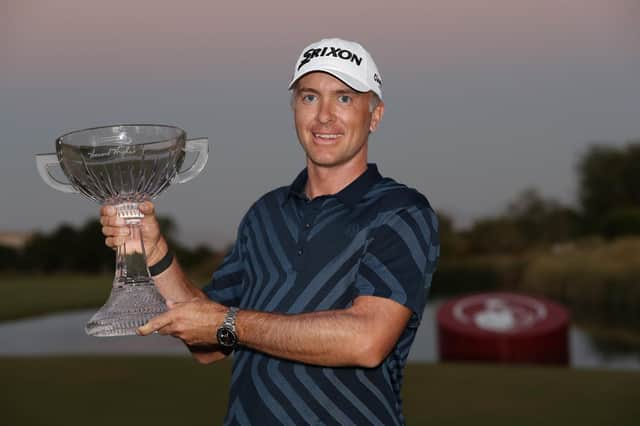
point(331, 180)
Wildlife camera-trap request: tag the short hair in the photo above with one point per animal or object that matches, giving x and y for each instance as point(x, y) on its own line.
point(374, 101)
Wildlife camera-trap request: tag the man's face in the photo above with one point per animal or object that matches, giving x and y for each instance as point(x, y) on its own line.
point(332, 120)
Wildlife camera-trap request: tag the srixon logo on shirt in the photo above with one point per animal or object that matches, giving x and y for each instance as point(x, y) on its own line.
point(330, 51)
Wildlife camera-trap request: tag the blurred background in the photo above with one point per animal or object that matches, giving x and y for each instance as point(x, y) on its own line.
point(517, 119)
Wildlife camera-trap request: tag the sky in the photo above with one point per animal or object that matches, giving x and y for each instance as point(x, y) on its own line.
point(484, 98)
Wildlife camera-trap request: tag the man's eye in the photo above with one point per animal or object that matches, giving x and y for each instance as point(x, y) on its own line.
point(344, 99)
point(308, 98)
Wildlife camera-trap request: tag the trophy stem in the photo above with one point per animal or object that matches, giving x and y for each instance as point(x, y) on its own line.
point(134, 299)
point(131, 260)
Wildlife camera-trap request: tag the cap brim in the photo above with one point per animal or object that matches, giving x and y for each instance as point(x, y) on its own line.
point(356, 85)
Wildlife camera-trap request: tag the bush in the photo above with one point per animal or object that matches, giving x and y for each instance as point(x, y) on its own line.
point(499, 235)
point(600, 279)
point(8, 258)
point(487, 273)
point(622, 222)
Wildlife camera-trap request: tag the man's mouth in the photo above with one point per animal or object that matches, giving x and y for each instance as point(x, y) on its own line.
point(326, 137)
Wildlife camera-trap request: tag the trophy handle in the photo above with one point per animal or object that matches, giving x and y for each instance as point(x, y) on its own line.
point(43, 161)
point(201, 148)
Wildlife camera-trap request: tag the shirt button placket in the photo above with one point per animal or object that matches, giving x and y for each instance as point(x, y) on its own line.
point(311, 210)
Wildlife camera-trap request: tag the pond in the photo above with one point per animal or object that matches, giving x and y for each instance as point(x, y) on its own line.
point(63, 334)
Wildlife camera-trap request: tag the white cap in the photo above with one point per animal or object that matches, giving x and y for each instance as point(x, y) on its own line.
point(346, 60)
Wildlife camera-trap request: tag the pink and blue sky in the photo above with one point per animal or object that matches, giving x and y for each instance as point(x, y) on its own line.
point(484, 97)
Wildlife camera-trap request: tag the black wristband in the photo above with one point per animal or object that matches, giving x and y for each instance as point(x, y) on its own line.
point(162, 264)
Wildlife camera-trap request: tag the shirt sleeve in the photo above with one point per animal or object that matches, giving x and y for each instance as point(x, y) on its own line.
point(228, 280)
point(400, 259)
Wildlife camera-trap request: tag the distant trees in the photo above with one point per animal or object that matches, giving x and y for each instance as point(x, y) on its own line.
point(83, 250)
point(609, 189)
point(542, 220)
point(8, 258)
point(528, 221)
point(609, 206)
point(68, 249)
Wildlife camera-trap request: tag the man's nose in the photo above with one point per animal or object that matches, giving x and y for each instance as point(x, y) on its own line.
point(326, 112)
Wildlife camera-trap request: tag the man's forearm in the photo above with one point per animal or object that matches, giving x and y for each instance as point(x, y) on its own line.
point(329, 338)
point(174, 285)
point(360, 335)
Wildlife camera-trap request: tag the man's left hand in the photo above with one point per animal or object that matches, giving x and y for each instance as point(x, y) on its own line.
point(195, 322)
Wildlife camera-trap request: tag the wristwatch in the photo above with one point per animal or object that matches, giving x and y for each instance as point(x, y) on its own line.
point(226, 334)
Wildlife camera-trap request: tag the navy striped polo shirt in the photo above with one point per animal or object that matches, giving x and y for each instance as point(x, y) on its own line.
point(292, 255)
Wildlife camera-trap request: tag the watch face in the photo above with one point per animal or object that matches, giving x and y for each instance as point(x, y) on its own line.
point(226, 337)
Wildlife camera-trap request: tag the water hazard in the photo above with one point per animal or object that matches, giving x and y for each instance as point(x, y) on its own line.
point(63, 334)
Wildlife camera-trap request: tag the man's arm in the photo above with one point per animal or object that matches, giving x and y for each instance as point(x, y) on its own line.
point(361, 335)
point(173, 284)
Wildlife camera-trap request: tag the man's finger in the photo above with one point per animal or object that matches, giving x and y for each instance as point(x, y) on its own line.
point(112, 221)
point(155, 324)
point(108, 211)
point(115, 242)
point(115, 231)
point(167, 330)
point(146, 208)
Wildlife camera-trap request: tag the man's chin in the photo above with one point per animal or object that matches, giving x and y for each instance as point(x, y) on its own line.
point(327, 161)
point(323, 161)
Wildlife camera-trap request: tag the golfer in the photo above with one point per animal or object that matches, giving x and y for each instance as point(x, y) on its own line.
point(321, 296)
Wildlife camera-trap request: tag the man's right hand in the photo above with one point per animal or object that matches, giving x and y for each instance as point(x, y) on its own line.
point(117, 231)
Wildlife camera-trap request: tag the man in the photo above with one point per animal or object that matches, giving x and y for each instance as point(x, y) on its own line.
point(324, 289)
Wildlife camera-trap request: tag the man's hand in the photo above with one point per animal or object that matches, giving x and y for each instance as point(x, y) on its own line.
point(117, 232)
point(194, 322)
point(172, 283)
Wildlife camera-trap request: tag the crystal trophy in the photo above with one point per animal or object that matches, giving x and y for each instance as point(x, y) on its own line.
point(124, 165)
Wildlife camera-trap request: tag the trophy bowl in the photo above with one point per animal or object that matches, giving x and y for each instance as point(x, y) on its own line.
point(124, 165)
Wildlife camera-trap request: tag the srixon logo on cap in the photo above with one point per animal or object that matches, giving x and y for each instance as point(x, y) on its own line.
point(377, 79)
point(330, 51)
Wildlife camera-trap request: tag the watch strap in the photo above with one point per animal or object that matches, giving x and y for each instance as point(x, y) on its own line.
point(226, 334)
point(230, 319)
point(162, 265)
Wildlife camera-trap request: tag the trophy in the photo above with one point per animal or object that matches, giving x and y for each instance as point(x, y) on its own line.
point(124, 165)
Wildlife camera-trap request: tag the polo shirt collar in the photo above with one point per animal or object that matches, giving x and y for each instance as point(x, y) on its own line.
point(350, 195)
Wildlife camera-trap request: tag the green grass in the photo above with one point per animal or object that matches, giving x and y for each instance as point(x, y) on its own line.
point(23, 296)
point(169, 391)
point(468, 394)
point(27, 295)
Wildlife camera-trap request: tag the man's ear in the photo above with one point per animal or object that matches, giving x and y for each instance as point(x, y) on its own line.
point(376, 116)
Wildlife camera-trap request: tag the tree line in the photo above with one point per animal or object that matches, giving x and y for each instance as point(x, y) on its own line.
point(608, 206)
point(82, 249)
